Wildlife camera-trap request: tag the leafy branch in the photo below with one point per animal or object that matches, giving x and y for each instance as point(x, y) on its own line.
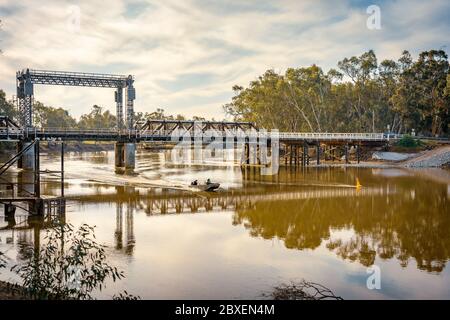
point(71, 265)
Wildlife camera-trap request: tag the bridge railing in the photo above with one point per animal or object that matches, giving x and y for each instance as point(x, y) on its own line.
point(331, 136)
point(100, 132)
point(72, 130)
point(107, 132)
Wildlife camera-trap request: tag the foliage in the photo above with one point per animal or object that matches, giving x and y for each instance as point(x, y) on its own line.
point(71, 265)
point(302, 290)
point(408, 141)
point(125, 296)
point(97, 118)
point(158, 114)
point(2, 260)
point(363, 96)
point(49, 117)
point(6, 107)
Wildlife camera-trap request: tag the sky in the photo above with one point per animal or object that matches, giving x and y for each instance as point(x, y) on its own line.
point(186, 55)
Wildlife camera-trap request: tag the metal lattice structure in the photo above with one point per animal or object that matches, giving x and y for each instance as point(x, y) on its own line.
point(166, 127)
point(27, 78)
point(8, 123)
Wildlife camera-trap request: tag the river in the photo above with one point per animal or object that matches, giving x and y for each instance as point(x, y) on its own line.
point(256, 233)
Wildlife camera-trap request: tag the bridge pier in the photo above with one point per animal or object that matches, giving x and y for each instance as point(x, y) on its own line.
point(346, 154)
point(27, 160)
point(9, 210)
point(358, 153)
point(318, 153)
point(125, 156)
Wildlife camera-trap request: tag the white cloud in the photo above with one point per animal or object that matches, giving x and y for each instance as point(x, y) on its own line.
point(161, 41)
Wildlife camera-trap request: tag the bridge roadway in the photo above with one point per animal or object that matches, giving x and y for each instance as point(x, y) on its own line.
point(15, 134)
point(245, 134)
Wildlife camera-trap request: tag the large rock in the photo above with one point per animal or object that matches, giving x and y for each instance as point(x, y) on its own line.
point(392, 156)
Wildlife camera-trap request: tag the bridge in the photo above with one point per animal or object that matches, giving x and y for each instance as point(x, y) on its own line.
point(26, 80)
point(293, 147)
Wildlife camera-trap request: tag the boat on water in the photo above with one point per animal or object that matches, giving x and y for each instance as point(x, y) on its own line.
point(208, 186)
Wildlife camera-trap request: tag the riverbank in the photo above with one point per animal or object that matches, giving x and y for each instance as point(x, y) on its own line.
point(438, 157)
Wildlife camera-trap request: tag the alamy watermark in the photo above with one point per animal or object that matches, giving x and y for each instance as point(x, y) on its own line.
point(374, 280)
point(73, 21)
point(374, 20)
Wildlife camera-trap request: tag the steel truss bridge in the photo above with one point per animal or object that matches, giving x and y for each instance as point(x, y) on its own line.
point(127, 130)
point(165, 131)
point(27, 78)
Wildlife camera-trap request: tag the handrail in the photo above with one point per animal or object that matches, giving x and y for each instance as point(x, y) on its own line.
point(146, 133)
point(77, 74)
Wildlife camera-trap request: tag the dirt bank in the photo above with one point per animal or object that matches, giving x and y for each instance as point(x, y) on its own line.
point(439, 157)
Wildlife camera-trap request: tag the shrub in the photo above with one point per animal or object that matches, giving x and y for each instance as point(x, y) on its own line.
point(408, 141)
point(2, 260)
point(71, 265)
point(302, 290)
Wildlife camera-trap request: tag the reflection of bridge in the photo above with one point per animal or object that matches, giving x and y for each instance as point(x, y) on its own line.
point(166, 203)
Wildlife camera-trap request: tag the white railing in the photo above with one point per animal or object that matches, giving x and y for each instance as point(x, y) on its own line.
point(76, 131)
point(167, 133)
point(331, 136)
point(69, 74)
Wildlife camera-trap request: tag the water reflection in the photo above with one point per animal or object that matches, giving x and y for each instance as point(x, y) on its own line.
point(399, 216)
point(403, 219)
point(129, 229)
point(400, 220)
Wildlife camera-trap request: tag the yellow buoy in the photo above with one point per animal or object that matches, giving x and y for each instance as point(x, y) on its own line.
point(358, 185)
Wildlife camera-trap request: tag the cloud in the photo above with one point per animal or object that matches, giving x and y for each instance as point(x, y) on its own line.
point(186, 55)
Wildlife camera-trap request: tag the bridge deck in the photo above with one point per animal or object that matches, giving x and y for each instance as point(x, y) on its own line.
point(168, 135)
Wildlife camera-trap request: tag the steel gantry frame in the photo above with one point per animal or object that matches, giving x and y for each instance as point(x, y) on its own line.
point(27, 78)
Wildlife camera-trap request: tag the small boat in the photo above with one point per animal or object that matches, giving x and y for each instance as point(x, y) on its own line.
point(206, 187)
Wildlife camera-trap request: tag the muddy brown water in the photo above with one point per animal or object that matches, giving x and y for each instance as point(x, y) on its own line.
point(258, 232)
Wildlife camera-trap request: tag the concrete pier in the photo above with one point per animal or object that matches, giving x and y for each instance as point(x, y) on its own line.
point(130, 156)
point(118, 155)
point(125, 156)
point(9, 209)
point(27, 160)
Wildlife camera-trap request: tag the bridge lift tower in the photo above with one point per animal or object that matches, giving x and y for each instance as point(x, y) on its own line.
point(27, 78)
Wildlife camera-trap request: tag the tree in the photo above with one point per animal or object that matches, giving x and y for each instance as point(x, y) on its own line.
point(7, 108)
point(362, 70)
point(71, 265)
point(420, 97)
point(98, 119)
point(159, 114)
point(365, 97)
point(49, 117)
